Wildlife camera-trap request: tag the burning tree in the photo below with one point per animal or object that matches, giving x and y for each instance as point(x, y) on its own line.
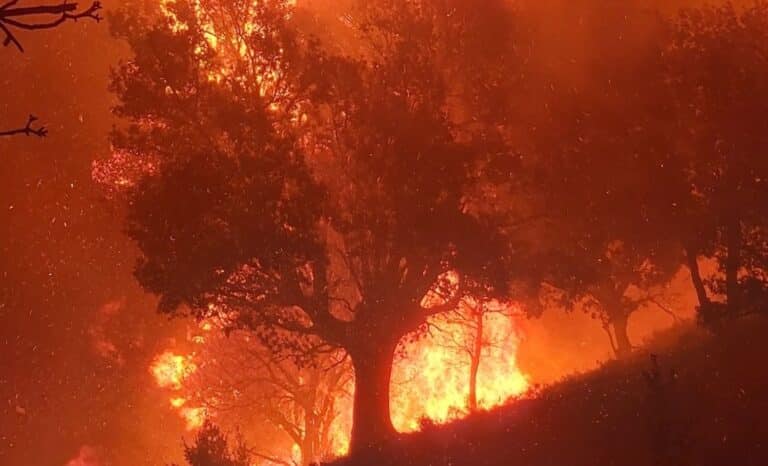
point(319, 201)
point(237, 378)
point(479, 333)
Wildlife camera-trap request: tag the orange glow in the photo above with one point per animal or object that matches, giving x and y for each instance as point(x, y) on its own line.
point(430, 379)
point(170, 370)
point(194, 417)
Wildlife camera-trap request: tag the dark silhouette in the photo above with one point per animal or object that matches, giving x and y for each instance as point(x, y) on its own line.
point(27, 18)
point(27, 129)
point(720, 104)
point(211, 448)
point(349, 236)
point(14, 17)
point(624, 414)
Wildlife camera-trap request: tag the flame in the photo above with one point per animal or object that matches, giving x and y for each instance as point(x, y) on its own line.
point(195, 417)
point(178, 402)
point(170, 370)
point(430, 379)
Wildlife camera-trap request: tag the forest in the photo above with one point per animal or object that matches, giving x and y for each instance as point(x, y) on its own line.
point(294, 232)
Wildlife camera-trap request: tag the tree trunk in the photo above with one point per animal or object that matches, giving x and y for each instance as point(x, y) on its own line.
point(371, 422)
point(623, 346)
point(698, 282)
point(310, 450)
point(733, 263)
point(477, 349)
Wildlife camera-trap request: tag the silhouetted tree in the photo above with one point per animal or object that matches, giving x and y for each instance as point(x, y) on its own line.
point(718, 68)
point(474, 339)
point(237, 378)
point(608, 174)
point(211, 448)
point(348, 247)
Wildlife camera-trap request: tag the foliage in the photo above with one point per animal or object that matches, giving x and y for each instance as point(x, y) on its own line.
point(317, 200)
point(211, 448)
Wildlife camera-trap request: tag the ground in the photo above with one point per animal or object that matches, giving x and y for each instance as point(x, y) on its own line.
point(704, 402)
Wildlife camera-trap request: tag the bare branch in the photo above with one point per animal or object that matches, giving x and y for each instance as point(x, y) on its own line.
point(20, 18)
point(27, 130)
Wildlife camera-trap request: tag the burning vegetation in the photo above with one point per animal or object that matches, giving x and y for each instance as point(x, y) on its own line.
point(356, 220)
point(359, 208)
point(465, 362)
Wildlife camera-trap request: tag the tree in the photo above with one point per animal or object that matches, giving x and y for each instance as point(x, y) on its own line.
point(475, 340)
point(211, 448)
point(319, 201)
point(237, 378)
point(606, 152)
point(13, 17)
point(718, 67)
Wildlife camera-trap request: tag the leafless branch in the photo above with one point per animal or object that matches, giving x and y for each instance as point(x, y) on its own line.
point(27, 130)
point(23, 18)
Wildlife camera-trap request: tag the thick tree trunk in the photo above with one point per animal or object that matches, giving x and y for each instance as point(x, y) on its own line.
point(698, 282)
point(733, 263)
point(477, 349)
point(623, 345)
point(371, 422)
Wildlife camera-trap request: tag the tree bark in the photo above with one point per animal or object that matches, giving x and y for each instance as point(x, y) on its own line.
point(698, 282)
point(733, 263)
point(371, 421)
point(623, 345)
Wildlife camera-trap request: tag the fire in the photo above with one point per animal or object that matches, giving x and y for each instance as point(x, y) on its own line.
point(431, 378)
point(170, 370)
point(195, 417)
point(432, 381)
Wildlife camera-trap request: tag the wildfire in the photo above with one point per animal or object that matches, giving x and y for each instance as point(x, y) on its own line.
point(437, 378)
point(170, 370)
point(431, 378)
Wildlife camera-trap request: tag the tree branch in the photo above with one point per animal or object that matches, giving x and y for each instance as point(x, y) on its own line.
point(27, 130)
point(11, 17)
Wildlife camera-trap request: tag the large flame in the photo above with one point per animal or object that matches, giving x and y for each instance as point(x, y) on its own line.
point(430, 381)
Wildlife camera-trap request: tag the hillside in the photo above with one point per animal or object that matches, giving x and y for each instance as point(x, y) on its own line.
point(704, 403)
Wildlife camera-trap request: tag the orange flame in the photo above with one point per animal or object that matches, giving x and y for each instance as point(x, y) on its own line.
point(430, 379)
point(170, 370)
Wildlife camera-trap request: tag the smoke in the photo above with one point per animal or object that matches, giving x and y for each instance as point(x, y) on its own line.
point(86, 456)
